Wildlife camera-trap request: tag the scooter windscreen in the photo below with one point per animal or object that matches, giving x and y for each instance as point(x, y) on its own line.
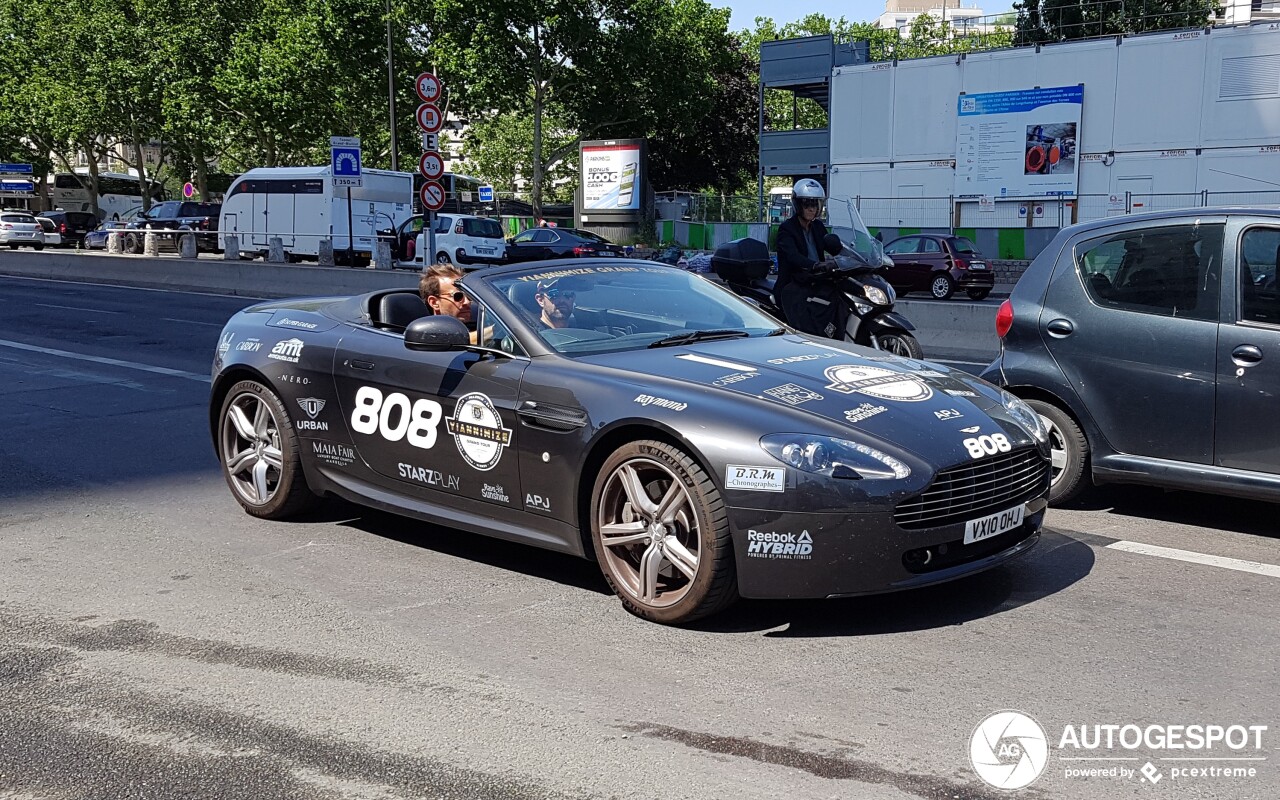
point(855, 237)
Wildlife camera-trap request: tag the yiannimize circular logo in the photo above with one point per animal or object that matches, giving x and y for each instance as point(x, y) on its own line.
point(1008, 750)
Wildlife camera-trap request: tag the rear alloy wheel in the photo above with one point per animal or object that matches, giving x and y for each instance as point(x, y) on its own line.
point(942, 287)
point(443, 258)
point(661, 534)
point(259, 453)
point(132, 244)
point(977, 294)
point(1070, 453)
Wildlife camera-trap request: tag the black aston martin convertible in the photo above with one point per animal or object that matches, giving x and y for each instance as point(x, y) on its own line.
point(639, 415)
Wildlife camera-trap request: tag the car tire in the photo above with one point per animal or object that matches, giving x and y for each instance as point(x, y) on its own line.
point(1070, 453)
point(941, 286)
point(977, 294)
point(13, 246)
point(900, 344)
point(38, 246)
point(686, 539)
point(132, 244)
point(259, 452)
point(443, 258)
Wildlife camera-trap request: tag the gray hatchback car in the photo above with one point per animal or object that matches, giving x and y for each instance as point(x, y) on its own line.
point(1151, 346)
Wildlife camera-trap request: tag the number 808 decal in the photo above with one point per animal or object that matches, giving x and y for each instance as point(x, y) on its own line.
point(416, 423)
point(980, 446)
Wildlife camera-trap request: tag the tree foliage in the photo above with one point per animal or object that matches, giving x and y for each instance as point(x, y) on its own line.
point(1062, 20)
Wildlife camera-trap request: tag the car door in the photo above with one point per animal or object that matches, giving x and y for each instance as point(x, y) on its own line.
point(903, 252)
point(929, 258)
point(1246, 427)
point(434, 425)
point(1131, 318)
point(525, 246)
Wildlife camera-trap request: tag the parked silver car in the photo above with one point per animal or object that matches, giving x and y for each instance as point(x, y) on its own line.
point(1151, 346)
point(20, 229)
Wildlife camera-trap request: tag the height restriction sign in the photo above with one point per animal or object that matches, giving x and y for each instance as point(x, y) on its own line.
point(429, 88)
point(429, 118)
point(432, 196)
point(431, 165)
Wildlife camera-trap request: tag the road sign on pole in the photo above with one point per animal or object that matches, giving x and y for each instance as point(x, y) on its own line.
point(431, 165)
point(429, 118)
point(486, 194)
point(344, 161)
point(430, 141)
point(429, 87)
point(15, 169)
point(432, 196)
point(188, 190)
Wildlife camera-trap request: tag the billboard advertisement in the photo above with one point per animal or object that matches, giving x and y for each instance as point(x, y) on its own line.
point(1020, 143)
point(612, 173)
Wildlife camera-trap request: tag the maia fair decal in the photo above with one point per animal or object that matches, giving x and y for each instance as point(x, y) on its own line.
point(477, 431)
point(876, 382)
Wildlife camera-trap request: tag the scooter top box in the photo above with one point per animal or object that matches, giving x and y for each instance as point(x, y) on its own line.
point(742, 260)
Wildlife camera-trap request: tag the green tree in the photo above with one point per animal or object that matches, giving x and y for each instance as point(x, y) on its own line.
point(1063, 20)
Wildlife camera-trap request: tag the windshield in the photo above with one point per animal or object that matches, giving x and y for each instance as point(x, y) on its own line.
point(608, 309)
point(847, 223)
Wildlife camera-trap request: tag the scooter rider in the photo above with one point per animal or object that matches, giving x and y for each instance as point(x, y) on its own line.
point(810, 302)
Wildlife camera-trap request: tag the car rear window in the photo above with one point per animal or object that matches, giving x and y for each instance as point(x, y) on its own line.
point(589, 236)
point(200, 210)
point(47, 224)
point(963, 245)
point(482, 228)
point(17, 218)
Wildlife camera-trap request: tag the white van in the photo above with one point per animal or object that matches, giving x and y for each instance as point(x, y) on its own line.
point(465, 240)
point(301, 206)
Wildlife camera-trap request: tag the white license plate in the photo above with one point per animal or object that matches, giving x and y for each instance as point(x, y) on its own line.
point(485, 250)
point(606, 253)
point(977, 265)
point(975, 530)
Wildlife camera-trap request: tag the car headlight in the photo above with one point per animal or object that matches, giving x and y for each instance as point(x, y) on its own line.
point(877, 295)
point(1025, 416)
point(835, 458)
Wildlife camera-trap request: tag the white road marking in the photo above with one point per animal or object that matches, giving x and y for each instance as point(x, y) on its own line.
point(77, 308)
point(716, 362)
point(115, 362)
point(194, 322)
point(130, 288)
point(1240, 565)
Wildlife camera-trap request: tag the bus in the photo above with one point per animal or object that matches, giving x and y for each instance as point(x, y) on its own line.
point(118, 193)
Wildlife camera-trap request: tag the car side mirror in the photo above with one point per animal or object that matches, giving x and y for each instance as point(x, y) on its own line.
point(436, 334)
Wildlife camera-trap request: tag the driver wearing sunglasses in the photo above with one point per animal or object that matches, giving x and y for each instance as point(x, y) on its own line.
point(556, 302)
point(439, 291)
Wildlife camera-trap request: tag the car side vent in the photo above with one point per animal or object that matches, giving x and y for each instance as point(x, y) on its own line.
point(1250, 76)
point(556, 418)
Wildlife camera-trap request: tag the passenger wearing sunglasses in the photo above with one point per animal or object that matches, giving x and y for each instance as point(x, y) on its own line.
point(556, 303)
point(443, 297)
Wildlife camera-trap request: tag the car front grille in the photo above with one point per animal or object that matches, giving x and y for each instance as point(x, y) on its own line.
point(974, 490)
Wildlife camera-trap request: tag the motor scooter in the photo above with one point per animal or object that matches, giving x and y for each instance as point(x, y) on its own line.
point(744, 264)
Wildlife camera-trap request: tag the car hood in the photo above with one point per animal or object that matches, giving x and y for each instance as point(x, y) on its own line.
point(923, 407)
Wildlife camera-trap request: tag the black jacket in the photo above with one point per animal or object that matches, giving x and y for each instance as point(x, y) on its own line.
point(794, 264)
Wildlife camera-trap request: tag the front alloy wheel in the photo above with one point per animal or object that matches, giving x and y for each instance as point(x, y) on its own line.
point(661, 534)
point(259, 453)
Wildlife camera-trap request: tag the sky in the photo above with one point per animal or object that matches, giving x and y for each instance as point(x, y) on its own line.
point(746, 11)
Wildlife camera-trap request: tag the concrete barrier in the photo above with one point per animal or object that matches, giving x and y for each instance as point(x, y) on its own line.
point(953, 328)
point(241, 278)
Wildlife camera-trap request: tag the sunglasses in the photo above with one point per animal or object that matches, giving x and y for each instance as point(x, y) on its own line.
point(808, 203)
point(456, 297)
point(560, 293)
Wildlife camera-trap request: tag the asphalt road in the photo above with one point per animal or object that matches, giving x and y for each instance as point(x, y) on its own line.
point(156, 642)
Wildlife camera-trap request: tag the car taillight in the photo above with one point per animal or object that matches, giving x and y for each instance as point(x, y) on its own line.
point(961, 263)
point(204, 224)
point(1004, 318)
point(5, 225)
point(62, 227)
point(581, 251)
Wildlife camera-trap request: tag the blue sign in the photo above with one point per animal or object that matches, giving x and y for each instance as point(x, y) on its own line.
point(17, 186)
point(15, 169)
point(344, 152)
point(486, 194)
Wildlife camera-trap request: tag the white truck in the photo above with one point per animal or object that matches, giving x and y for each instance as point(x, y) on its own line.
point(301, 206)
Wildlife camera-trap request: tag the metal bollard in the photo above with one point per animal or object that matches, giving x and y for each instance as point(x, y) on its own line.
point(115, 243)
point(275, 253)
point(326, 252)
point(382, 255)
point(187, 246)
point(151, 244)
point(230, 247)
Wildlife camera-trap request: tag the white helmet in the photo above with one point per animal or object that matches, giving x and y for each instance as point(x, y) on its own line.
point(807, 189)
